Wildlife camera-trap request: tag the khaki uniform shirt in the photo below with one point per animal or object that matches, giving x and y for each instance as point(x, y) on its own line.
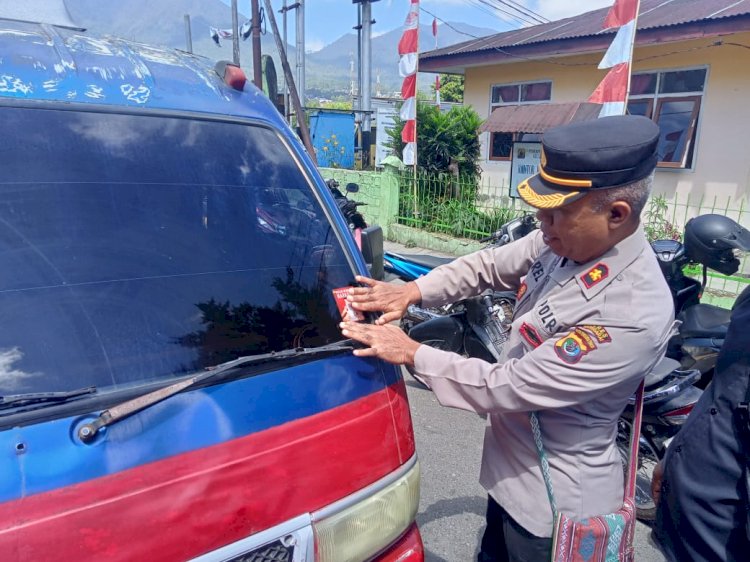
point(582, 338)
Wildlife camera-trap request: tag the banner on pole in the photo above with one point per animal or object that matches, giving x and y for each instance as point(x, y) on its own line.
point(612, 92)
point(408, 48)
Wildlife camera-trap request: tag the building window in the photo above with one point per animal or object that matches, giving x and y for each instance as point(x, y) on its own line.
point(501, 144)
point(501, 147)
point(673, 100)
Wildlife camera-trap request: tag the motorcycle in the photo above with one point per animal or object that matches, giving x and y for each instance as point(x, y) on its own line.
point(713, 242)
point(369, 239)
point(482, 327)
point(409, 267)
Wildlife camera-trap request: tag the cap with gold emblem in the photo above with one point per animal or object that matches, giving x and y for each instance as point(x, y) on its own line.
point(590, 155)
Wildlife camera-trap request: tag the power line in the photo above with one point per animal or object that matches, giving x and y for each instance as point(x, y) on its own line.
point(519, 19)
point(528, 11)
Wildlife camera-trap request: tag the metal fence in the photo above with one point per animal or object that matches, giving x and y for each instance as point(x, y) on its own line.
point(456, 206)
point(469, 208)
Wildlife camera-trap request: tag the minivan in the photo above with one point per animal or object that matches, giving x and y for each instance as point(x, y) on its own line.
point(173, 382)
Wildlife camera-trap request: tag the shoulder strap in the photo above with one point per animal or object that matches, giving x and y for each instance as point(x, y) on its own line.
point(635, 436)
point(632, 460)
point(543, 462)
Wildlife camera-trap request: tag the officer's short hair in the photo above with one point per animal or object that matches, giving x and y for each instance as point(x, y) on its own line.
point(635, 194)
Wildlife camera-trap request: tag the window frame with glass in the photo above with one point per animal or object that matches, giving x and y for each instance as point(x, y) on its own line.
point(656, 97)
point(510, 138)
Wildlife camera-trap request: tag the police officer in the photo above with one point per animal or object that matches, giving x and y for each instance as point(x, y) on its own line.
point(702, 487)
point(593, 316)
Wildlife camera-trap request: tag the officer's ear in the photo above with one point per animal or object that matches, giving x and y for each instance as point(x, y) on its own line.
point(620, 213)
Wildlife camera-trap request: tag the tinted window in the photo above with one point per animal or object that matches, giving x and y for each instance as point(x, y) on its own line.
point(139, 248)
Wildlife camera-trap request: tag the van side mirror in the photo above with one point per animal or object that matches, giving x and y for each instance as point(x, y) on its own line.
point(372, 250)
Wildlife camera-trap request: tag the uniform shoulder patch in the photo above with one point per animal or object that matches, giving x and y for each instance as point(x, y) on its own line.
point(595, 275)
point(573, 346)
point(599, 332)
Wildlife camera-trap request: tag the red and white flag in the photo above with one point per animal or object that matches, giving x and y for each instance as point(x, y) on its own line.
point(612, 92)
point(408, 48)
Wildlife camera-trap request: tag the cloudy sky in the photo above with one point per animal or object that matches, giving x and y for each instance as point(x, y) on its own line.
point(326, 20)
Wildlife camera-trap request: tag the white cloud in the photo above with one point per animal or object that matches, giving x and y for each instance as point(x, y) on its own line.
point(314, 45)
point(10, 377)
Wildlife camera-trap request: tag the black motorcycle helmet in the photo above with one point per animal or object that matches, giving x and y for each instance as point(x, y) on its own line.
point(711, 240)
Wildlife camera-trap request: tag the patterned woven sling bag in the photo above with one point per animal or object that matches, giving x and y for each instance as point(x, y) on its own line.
point(604, 538)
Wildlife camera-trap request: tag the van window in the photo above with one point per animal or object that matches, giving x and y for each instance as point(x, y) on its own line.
point(140, 248)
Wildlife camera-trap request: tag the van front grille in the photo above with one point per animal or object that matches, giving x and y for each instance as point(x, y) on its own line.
point(271, 552)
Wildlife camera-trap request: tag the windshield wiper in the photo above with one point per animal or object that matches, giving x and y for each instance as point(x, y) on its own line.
point(32, 398)
point(89, 431)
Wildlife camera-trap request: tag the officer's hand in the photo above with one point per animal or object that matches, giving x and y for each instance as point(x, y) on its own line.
point(656, 482)
point(388, 342)
point(377, 296)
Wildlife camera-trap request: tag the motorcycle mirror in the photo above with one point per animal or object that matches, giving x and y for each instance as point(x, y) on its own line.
point(352, 188)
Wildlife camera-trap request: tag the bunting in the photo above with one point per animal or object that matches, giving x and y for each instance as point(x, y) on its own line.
point(437, 76)
point(408, 48)
point(218, 34)
point(612, 92)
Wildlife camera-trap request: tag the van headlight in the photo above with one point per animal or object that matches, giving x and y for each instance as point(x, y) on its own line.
point(369, 525)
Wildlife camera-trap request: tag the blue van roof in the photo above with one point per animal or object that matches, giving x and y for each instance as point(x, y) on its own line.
point(45, 62)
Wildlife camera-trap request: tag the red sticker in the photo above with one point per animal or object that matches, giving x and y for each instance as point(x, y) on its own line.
point(348, 314)
point(595, 275)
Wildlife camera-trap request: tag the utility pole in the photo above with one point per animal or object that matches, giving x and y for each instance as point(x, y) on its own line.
point(188, 34)
point(301, 122)
point(235, 35)
point(366, 80)
point(255, 25)
point(301, 54)
point(365, 64)
point(284, 10)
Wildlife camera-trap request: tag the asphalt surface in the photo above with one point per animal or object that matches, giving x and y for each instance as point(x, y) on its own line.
point(452, 504)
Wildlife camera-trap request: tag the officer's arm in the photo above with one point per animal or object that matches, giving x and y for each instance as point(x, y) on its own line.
point(569, 368)
point(500, 269)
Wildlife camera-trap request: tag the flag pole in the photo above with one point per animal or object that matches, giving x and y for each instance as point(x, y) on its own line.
point(630, 58)
point(416, 111)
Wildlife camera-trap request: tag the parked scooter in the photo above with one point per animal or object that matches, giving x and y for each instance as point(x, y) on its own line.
point(713, 241)
point(482, 327)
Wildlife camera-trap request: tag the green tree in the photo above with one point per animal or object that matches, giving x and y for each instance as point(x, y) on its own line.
point(451, 88)
point(444, 140)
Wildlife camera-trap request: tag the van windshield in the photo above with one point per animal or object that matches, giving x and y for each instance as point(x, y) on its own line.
point(135, 249)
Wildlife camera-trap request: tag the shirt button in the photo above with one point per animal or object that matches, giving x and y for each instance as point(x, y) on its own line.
point(714, 411)
point(678, 449)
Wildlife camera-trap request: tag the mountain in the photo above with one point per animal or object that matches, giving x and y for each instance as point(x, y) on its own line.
point(332, 63)
point(329, 72)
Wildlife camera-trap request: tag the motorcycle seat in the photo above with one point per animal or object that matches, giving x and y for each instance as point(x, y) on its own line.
point(704, 321)
point(660, 371)
point(425, 260)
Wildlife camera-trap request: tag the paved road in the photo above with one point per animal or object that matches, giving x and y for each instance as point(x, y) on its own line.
point(451, 510)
